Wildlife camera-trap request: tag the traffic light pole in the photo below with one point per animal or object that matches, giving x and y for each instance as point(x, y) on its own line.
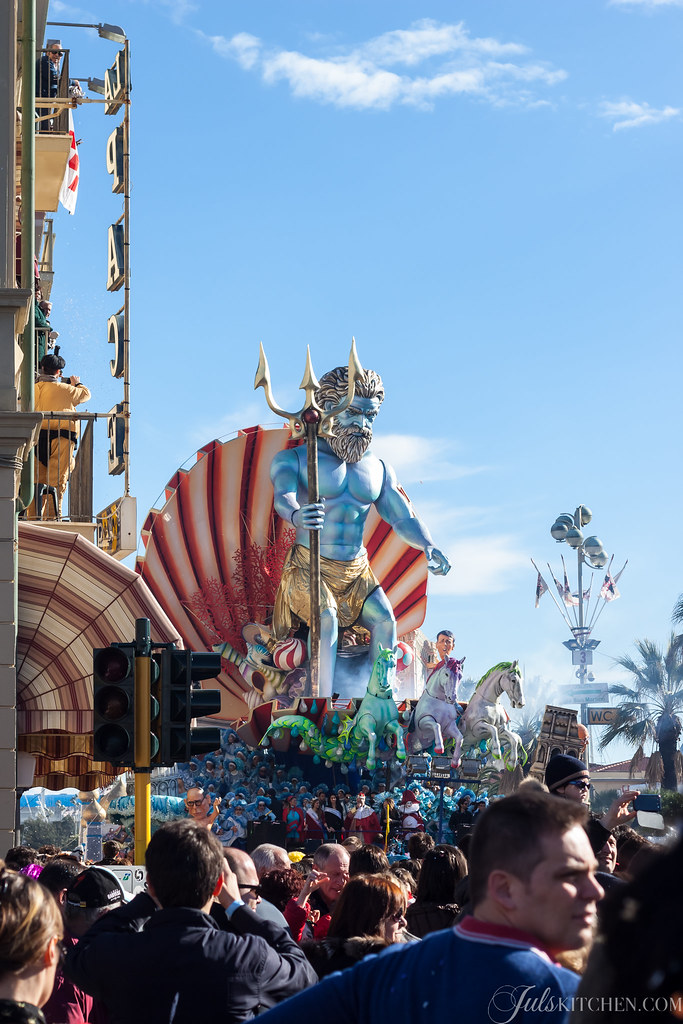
point(143, 784)
point(143, 708)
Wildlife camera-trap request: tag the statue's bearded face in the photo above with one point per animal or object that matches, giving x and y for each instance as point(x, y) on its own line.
point(348, 445)
point(353, 429)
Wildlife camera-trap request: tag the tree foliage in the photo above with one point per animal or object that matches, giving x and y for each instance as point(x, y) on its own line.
point(38, 832)
point(648, 710)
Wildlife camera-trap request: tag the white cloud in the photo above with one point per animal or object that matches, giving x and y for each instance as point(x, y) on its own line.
point(627, 114)
point(243, 48)
point(178, 9)
point(437, 60)
point(68, 9)
point(343, 83)
point(250, 414)
point(425, 39)
point(646, 3)
point(481, 565)
point(420, 459)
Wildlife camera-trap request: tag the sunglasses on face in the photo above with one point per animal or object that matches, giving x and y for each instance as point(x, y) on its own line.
point(195, 803)
point(580, 784)
point(255, 890)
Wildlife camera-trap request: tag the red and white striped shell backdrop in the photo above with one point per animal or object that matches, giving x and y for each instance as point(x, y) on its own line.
point(221, 504)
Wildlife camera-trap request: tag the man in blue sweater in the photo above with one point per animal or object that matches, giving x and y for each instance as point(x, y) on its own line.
point(533, 893)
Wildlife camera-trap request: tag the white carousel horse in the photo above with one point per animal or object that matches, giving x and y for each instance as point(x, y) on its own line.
point(485, 719)
point(436, 714)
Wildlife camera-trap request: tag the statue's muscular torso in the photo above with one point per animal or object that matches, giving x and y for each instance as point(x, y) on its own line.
point(348, 489)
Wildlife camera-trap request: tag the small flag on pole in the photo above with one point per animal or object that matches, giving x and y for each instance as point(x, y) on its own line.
point(541, 587)
point(566, 595)
point(609, 591)
point(68, 193)
point(560, 588)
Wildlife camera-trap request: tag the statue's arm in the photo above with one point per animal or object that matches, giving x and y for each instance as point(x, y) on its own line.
point(395, 509)
point(284, 476)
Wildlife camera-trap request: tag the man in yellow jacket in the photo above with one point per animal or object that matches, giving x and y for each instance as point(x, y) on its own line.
point(57, 439)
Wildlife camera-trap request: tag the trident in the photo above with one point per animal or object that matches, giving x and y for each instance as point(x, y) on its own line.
point(311, 422)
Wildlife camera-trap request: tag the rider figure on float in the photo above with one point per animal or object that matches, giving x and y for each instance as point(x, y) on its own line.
point(445, 645)
point(351, 480)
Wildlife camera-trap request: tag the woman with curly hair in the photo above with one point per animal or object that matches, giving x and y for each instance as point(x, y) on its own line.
point(368, 916)
point(31, 932)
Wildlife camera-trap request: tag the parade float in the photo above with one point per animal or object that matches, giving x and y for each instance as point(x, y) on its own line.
point(298, 557)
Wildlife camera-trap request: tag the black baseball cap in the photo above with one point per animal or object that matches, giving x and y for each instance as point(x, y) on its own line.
point(94, 888)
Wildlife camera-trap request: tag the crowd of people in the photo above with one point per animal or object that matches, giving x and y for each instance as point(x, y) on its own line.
point(238, 785)
point(504, 929)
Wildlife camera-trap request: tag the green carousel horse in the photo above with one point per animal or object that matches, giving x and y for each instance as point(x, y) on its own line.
point(376, 719)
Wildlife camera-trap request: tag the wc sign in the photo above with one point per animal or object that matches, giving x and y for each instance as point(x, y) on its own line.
point(601, 716)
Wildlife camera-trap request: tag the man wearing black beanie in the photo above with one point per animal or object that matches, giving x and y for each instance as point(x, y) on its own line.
point(568, 777)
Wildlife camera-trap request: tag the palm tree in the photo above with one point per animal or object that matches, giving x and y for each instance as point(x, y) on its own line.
point(649, 708)
point(677, 619)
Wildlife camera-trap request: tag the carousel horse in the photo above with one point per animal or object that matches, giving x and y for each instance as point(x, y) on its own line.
point(435, 718)
point(485, 720)
point(377, 718)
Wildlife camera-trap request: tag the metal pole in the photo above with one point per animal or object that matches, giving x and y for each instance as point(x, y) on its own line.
point(143, 785)
point(126, 275)
point(582, 638)
point(442, 787)
point(28, 226)
point(314, 558)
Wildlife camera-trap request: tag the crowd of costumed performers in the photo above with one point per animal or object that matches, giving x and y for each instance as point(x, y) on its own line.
point(239, 785)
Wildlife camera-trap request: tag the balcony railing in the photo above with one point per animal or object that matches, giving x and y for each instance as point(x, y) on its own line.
point(64, 468)
point(45, 264)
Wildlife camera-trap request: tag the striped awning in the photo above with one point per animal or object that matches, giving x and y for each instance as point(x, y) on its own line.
point(72, 598)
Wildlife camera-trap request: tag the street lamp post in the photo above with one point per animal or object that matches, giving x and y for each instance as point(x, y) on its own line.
point(111, 32)
point(115, 34)
point(590, 552)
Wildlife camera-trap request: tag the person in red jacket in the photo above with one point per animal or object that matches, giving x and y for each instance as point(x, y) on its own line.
point(364, 821)
point(315, 826)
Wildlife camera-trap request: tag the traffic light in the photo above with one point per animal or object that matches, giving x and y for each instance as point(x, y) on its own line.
point(155, 711)
point(114, 705)
point(180, 702)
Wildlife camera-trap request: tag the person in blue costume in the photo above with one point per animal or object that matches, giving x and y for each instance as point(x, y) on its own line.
point(293, 817)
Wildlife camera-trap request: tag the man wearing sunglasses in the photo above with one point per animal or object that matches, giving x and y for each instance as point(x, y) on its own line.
point(47, 80)
point(199, 807)
point(568, 777)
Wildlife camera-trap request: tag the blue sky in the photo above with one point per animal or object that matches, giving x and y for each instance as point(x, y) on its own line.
point(486, 194)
